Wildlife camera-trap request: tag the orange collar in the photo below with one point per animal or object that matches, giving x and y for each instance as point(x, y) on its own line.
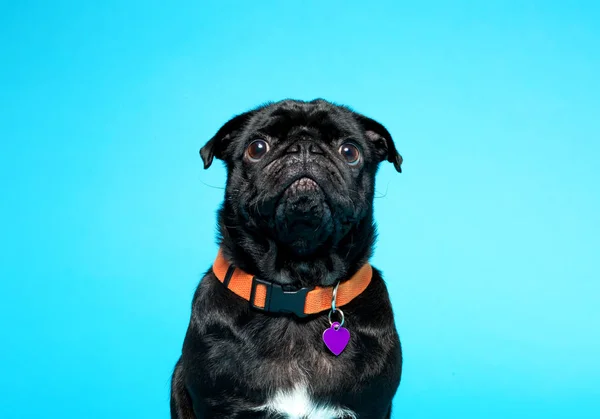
point(271, 297)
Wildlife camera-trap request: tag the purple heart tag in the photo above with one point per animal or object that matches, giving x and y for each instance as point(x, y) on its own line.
point(336, 338)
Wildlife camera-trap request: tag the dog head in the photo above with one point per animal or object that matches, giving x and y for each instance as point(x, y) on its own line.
point(301, 173)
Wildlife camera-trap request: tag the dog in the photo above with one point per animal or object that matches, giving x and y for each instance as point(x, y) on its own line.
point(291, 320)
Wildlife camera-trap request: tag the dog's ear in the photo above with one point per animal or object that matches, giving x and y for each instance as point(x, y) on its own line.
point(217, 145)
point(382, 141)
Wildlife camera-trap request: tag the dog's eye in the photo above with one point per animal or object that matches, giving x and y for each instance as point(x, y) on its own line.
point(257, 149)
point(350, 153)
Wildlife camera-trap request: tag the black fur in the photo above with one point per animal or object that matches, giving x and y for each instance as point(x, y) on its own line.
point(276, 224)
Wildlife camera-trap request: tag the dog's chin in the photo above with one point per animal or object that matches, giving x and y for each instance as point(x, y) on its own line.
point(303, 218)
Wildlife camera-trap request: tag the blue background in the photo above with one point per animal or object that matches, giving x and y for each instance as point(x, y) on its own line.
point(489, 239)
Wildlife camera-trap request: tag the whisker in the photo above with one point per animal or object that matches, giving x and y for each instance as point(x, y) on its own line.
point(386, 191)
point(211, 186)
point(350, 247)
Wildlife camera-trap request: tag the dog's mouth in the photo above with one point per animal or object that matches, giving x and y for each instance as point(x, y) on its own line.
point(301, 188)
point(303, 185)
point(303, 196)
point(303, 216)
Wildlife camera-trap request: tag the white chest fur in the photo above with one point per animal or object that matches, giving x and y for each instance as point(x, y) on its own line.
point(298, 404)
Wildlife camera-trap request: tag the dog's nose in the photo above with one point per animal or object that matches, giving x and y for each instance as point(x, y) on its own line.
point(305, 147)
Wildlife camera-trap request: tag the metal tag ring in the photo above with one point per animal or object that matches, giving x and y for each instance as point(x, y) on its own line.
point(341, 313)
point(334, 296)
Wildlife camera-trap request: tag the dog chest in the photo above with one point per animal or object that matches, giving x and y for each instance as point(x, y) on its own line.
point(298, 403)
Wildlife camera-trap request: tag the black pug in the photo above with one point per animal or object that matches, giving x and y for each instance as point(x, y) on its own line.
point(292, 321)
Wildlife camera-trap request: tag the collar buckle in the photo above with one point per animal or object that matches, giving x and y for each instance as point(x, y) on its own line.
point(278, 300)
